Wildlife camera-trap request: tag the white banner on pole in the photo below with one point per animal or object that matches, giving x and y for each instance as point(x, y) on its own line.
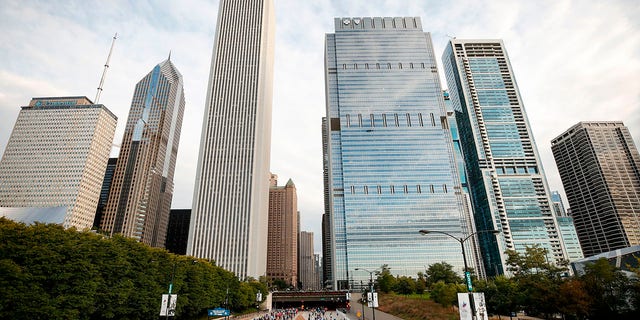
point(481, 306)
point(168, 308)
point(465, 306)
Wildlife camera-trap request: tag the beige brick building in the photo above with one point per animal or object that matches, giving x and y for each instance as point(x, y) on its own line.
point(282, 241)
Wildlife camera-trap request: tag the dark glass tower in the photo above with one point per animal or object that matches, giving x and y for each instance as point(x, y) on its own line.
point(506, 181)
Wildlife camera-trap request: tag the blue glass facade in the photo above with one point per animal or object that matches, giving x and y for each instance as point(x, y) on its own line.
point(391, 166)
point(506, 181)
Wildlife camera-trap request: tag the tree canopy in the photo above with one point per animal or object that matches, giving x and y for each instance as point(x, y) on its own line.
point(47, 272)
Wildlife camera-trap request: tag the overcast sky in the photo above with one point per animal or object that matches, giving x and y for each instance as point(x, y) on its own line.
point(573, 61)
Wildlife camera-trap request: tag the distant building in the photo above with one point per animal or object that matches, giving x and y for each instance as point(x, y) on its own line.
point(178, 231)
point(567, 228)
point(231, 193)
point(507, 185)
point(282, 240)
point(318, 271)
point(56, 157)
point(598, 164)
point(327, 245)
point(307, 262)
point(104, 192)
point(142, 188)
point(625, 259)
point(558, 204)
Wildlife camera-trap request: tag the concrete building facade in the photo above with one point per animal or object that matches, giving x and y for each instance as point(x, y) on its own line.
point(599, 167)
point(56, 156)
point(231, 193)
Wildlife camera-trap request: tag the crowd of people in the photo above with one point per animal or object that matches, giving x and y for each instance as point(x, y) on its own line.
point(311, 314)
point(279, 314)
point(323, 314)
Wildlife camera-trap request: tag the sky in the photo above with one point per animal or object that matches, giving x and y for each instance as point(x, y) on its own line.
point(573, 61)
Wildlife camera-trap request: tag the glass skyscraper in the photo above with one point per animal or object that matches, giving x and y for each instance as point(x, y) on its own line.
point(142, 187)
point(506, 181)
point(567, 228)
point(389, 156)
point(231, 194)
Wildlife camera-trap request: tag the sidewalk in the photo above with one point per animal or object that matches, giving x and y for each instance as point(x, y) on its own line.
point(368, 315)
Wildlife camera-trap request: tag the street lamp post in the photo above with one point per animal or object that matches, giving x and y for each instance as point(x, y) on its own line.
point(467, 274)
point(173, 274)
point(373, 309)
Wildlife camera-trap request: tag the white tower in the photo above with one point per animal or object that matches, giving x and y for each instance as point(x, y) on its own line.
point(231, 194)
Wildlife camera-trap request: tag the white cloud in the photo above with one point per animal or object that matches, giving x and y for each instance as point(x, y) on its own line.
point(573, 60)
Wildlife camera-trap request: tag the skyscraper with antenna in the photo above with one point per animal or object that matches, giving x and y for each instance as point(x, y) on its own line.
point(142, 188)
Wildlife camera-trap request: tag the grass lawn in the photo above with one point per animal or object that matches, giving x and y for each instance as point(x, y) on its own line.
point(415, 307)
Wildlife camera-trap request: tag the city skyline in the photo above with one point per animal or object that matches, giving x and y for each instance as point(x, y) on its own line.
point(548, 46)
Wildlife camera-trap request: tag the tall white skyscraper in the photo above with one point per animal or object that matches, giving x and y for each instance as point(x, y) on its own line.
point(231, 194)
point(56, 158)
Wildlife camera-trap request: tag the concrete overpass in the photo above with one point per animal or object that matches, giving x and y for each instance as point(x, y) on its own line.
point(309, 299)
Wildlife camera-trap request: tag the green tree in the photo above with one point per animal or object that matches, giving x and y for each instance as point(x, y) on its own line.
point(608, 288)
point(442, 271)
point(47, 272)
point(502, 294)
point(421, 283)
point(446, 294)
point(385, 280)
point(574, 301)
point(538, 280)
point(404, 285)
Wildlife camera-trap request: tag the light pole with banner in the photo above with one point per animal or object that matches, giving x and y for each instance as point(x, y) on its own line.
point(467, 274)
point(372, 296)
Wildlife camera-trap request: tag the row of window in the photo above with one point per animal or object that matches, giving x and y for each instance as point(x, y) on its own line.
point(378, 66)
point(391, 120)
point(400, 189)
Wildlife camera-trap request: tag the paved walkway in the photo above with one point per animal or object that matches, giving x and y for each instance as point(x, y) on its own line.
point(368, 314)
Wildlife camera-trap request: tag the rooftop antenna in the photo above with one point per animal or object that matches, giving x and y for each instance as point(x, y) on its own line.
point(169, 56)
point(106, 66)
